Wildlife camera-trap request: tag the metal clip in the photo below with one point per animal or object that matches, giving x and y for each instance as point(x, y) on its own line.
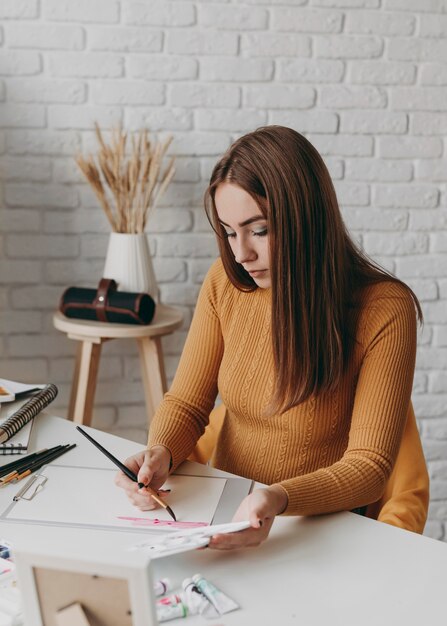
point(20, 495)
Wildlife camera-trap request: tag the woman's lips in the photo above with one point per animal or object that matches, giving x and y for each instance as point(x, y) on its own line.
point(255, 273)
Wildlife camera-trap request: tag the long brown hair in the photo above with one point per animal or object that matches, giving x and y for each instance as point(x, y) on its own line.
point(315, 267)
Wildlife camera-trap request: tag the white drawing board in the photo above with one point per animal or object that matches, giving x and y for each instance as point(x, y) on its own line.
point(88, 497)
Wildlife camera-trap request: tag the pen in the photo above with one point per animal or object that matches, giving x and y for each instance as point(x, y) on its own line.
point(128, 472)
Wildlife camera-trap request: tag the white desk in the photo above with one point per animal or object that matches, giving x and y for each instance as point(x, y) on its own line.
point(342, 570)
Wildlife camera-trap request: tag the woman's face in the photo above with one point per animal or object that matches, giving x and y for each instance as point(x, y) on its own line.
point(246, 229)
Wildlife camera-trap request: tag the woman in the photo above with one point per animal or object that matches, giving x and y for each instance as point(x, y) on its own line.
point(309, 344)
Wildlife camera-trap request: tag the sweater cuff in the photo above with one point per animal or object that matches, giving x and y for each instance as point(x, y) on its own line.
point(178, 448)
point(284, 511)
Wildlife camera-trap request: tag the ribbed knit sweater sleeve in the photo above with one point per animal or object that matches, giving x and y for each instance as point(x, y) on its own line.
point(183, 414)
point(378, 417)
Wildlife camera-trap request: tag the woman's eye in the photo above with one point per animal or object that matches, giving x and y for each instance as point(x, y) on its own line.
point(230, 234)
point(260, 233)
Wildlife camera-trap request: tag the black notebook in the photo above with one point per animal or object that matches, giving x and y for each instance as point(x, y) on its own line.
point(17, 417)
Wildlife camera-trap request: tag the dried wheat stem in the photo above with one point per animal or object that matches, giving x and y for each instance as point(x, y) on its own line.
point(135, 183)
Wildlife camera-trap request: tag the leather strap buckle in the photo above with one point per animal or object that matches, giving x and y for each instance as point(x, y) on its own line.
point(106, 286)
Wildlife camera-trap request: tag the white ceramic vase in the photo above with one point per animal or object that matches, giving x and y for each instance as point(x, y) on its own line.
point(129, 262)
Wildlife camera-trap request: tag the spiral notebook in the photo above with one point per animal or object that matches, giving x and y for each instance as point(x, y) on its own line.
point(17, 417)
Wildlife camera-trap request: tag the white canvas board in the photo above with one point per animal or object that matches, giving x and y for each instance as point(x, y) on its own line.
point(88, 497)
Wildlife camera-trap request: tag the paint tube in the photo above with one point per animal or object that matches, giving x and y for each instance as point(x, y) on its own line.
point(162, 586)
point(196, 602)
point(166, 612)
point(5, 550)
point(222, 603)
point(172, 599)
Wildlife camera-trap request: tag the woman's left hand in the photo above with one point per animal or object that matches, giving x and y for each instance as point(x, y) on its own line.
point(260, 509)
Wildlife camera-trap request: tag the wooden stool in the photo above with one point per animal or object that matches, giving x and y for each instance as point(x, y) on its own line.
point(92, 335)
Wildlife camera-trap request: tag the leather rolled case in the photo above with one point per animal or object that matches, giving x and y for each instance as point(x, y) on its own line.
point(106, 304)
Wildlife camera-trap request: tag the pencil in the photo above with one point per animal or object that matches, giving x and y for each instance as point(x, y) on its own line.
point(128, 473)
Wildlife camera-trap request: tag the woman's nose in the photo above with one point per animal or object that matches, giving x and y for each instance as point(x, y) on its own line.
point(244, 253)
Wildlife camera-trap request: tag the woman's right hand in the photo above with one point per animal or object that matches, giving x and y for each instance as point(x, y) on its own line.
point(152, 468)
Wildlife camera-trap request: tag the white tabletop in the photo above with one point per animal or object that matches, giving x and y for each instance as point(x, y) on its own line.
point(337, 569)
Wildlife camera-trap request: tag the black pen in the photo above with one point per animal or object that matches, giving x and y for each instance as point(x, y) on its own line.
point(128, 472)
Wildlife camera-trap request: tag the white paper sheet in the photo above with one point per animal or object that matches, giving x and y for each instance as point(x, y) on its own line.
point(89, 497)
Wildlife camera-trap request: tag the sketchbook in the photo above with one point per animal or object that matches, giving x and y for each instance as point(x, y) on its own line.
point(19, 443)
point(16, 417)
point(86, 497)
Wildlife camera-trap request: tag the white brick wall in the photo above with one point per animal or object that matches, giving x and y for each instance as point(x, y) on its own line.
point(365, 80)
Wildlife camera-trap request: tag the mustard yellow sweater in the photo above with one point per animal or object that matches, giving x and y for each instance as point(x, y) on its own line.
point(333, 452)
